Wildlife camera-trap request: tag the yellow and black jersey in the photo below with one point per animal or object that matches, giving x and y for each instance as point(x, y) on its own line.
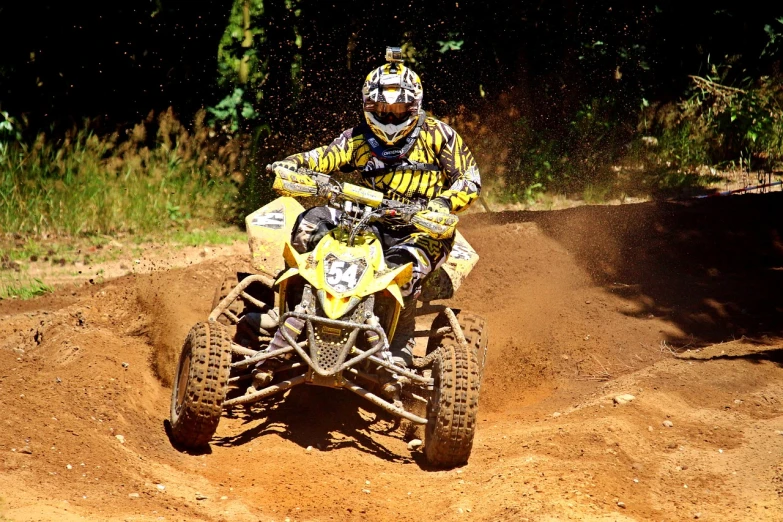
point(438, 164)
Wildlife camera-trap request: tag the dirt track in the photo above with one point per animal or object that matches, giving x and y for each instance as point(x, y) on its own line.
point(583, 305)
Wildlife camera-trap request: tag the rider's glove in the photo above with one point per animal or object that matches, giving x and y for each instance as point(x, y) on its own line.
point(439, 205)
point(436, 220)
point(288, 182)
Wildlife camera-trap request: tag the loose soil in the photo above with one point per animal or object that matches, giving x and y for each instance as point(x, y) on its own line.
point(677, 304)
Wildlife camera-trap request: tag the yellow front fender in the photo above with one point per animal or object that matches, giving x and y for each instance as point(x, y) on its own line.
point(395, 291)
point(336, 304)
point(392, 281)
point(335, 307)
point(291, 256)
point(288, 273)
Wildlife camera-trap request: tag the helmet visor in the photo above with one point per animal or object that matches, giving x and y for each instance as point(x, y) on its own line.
point(390, 113)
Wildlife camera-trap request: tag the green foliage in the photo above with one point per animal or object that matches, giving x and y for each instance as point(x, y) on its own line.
point(88, 184)
point(296, 59)
point(15, 285)
point(231, 111)
point(596, 194)
point(248, 65)
point(563, 160)
point(239, 60)
point(211, 236)
point(240, 67)
point(450, 45)
point(775, 38)
point(10, 132)
point(682, 146)
point(723, 125)
point(673, 181)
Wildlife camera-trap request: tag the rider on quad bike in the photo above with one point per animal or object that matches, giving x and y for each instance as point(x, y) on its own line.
point(412, 158)
point(323, 307)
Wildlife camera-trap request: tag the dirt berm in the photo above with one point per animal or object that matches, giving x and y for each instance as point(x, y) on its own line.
point(677, 304)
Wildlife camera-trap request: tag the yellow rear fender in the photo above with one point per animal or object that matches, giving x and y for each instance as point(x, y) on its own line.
point(268, 230)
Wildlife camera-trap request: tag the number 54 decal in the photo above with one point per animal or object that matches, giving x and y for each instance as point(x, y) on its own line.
point(343, 275)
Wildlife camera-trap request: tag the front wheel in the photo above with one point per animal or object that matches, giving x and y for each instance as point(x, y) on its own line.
point(452, 411)
point(200, 385)
point(473, 327)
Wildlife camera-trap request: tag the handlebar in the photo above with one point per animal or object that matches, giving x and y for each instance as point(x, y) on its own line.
point(383, 208)
point(361, 205)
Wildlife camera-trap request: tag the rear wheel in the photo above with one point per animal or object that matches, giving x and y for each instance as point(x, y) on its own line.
point(237, 308)
point(200, 385)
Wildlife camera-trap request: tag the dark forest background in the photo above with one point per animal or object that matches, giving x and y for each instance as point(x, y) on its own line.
point(551, 95)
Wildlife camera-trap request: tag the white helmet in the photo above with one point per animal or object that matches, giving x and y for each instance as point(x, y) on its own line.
point(391, 98)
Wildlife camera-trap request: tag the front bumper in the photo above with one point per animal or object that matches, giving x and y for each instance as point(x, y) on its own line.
point(330, 360)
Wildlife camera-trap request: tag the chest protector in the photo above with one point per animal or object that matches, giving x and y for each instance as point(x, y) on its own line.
point(395, 157)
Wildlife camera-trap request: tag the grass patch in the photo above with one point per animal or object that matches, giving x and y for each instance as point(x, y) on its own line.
point(86, 184)
point(55, 256)
point(594, 194)
point(18, 251)
point(16, 285)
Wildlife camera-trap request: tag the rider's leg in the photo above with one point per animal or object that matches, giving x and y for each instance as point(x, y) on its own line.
point(403, 343)
point(311, 226)
point(425, 254)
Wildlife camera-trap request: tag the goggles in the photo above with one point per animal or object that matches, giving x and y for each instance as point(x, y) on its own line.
point(386, 113)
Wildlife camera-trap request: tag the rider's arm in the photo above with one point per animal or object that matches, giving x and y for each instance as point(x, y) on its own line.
point(460, 168)
point(328, 158)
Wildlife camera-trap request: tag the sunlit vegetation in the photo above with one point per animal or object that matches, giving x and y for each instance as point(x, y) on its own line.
point(210, 236)
point(581, 100)
point(91, 184)
point(19, 285)
point(723, 126)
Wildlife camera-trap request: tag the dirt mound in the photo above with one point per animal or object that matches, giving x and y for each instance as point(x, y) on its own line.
point(583, 305)
point(173, 301)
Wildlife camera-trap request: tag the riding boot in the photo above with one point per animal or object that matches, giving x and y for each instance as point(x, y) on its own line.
point(403, 343)
point(294, 326)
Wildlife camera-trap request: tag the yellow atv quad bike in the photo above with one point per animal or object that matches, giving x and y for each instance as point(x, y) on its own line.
point(337, 307)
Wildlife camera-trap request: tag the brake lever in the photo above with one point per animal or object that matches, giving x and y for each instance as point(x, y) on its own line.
point(403, 212)
point(327, 187)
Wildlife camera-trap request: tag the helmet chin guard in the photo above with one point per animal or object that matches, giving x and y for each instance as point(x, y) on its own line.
point(393, 153)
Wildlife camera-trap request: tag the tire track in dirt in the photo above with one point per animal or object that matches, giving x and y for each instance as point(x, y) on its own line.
point(578, 303)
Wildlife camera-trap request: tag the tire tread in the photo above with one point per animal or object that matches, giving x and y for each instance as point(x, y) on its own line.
point(209, 347)
point(452, 416)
